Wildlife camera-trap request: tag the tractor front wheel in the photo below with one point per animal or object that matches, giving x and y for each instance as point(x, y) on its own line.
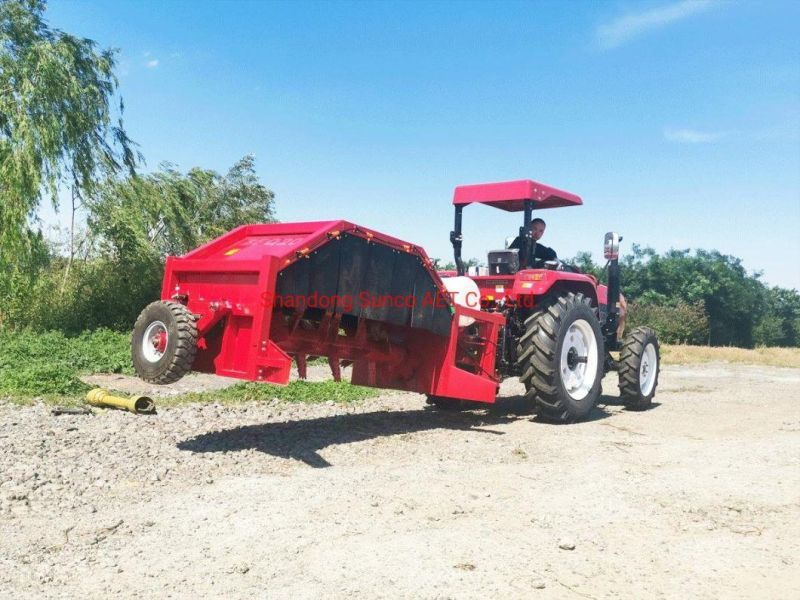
point(561, 359)
point(639, 362)
point(164, 342)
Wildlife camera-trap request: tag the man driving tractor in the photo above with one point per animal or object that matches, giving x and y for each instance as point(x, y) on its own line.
point(541, 253)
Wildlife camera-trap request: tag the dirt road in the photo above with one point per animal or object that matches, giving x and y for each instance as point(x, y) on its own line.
point(698, 497)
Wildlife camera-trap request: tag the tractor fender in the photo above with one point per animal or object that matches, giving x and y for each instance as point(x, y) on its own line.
point(540, 283)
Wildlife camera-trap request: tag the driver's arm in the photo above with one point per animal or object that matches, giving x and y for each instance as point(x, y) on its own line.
point(548, 254)
point(544, 254)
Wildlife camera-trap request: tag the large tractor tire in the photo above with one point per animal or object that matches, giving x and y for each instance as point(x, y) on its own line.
point(561, 358)
point(639, 364)
point(164, 342)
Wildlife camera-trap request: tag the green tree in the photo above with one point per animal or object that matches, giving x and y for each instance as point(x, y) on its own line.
point(169, 213)
point(133, 224)
point(733, 299)
point(56, 125)
point(583, 260)
point(440, 265)
point(778, 325)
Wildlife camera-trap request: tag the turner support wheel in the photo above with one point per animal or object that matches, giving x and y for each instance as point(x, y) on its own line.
point(561, 358)
point(639, 365)
point(164, 342)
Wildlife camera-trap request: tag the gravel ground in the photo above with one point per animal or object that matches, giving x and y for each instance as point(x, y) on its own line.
point(698, 497)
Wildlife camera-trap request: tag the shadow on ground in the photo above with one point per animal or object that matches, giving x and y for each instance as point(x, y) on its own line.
point(520, 405)
point(302, 439)
point(617, 401)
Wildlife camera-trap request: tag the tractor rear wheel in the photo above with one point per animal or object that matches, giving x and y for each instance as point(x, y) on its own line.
point(639, 363)
point(164, 342)
point(561, 358)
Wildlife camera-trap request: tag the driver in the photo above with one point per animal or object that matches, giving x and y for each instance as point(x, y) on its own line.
point(541, 253)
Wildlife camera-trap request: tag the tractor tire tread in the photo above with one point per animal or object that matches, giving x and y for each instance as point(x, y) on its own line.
point(629, 360)
point(185, 350)
point(536, 353)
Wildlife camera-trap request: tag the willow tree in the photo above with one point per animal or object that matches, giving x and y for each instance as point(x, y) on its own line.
point(58, 127)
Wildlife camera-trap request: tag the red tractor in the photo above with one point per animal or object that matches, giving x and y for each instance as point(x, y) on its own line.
point(560, 325)
point(249, 302)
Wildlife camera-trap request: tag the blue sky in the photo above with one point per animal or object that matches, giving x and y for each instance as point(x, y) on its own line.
point(677, 122)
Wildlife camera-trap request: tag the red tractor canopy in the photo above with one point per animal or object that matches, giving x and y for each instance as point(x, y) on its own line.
point(522, 195)
point(511, 195)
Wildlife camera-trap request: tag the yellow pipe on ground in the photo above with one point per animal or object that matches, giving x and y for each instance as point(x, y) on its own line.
point(135, 404)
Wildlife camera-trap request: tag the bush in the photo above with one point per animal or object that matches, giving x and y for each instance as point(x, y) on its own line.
point(769, 331)
point(33, 364)
point(681, 323)
point(98, 294)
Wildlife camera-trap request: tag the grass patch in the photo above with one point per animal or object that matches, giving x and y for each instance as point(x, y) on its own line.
point(310, 392)
point(680, 354)
point(49, 364)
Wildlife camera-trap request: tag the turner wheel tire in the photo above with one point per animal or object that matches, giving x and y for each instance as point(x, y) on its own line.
point(560, 356)
point(639, 366)
point(164, 342)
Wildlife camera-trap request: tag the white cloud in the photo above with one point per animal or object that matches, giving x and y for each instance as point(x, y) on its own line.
point(152, 64)
point(692, 136)
point(625, 28)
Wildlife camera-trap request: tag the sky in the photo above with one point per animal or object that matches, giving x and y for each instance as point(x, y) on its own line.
point(677, 122)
